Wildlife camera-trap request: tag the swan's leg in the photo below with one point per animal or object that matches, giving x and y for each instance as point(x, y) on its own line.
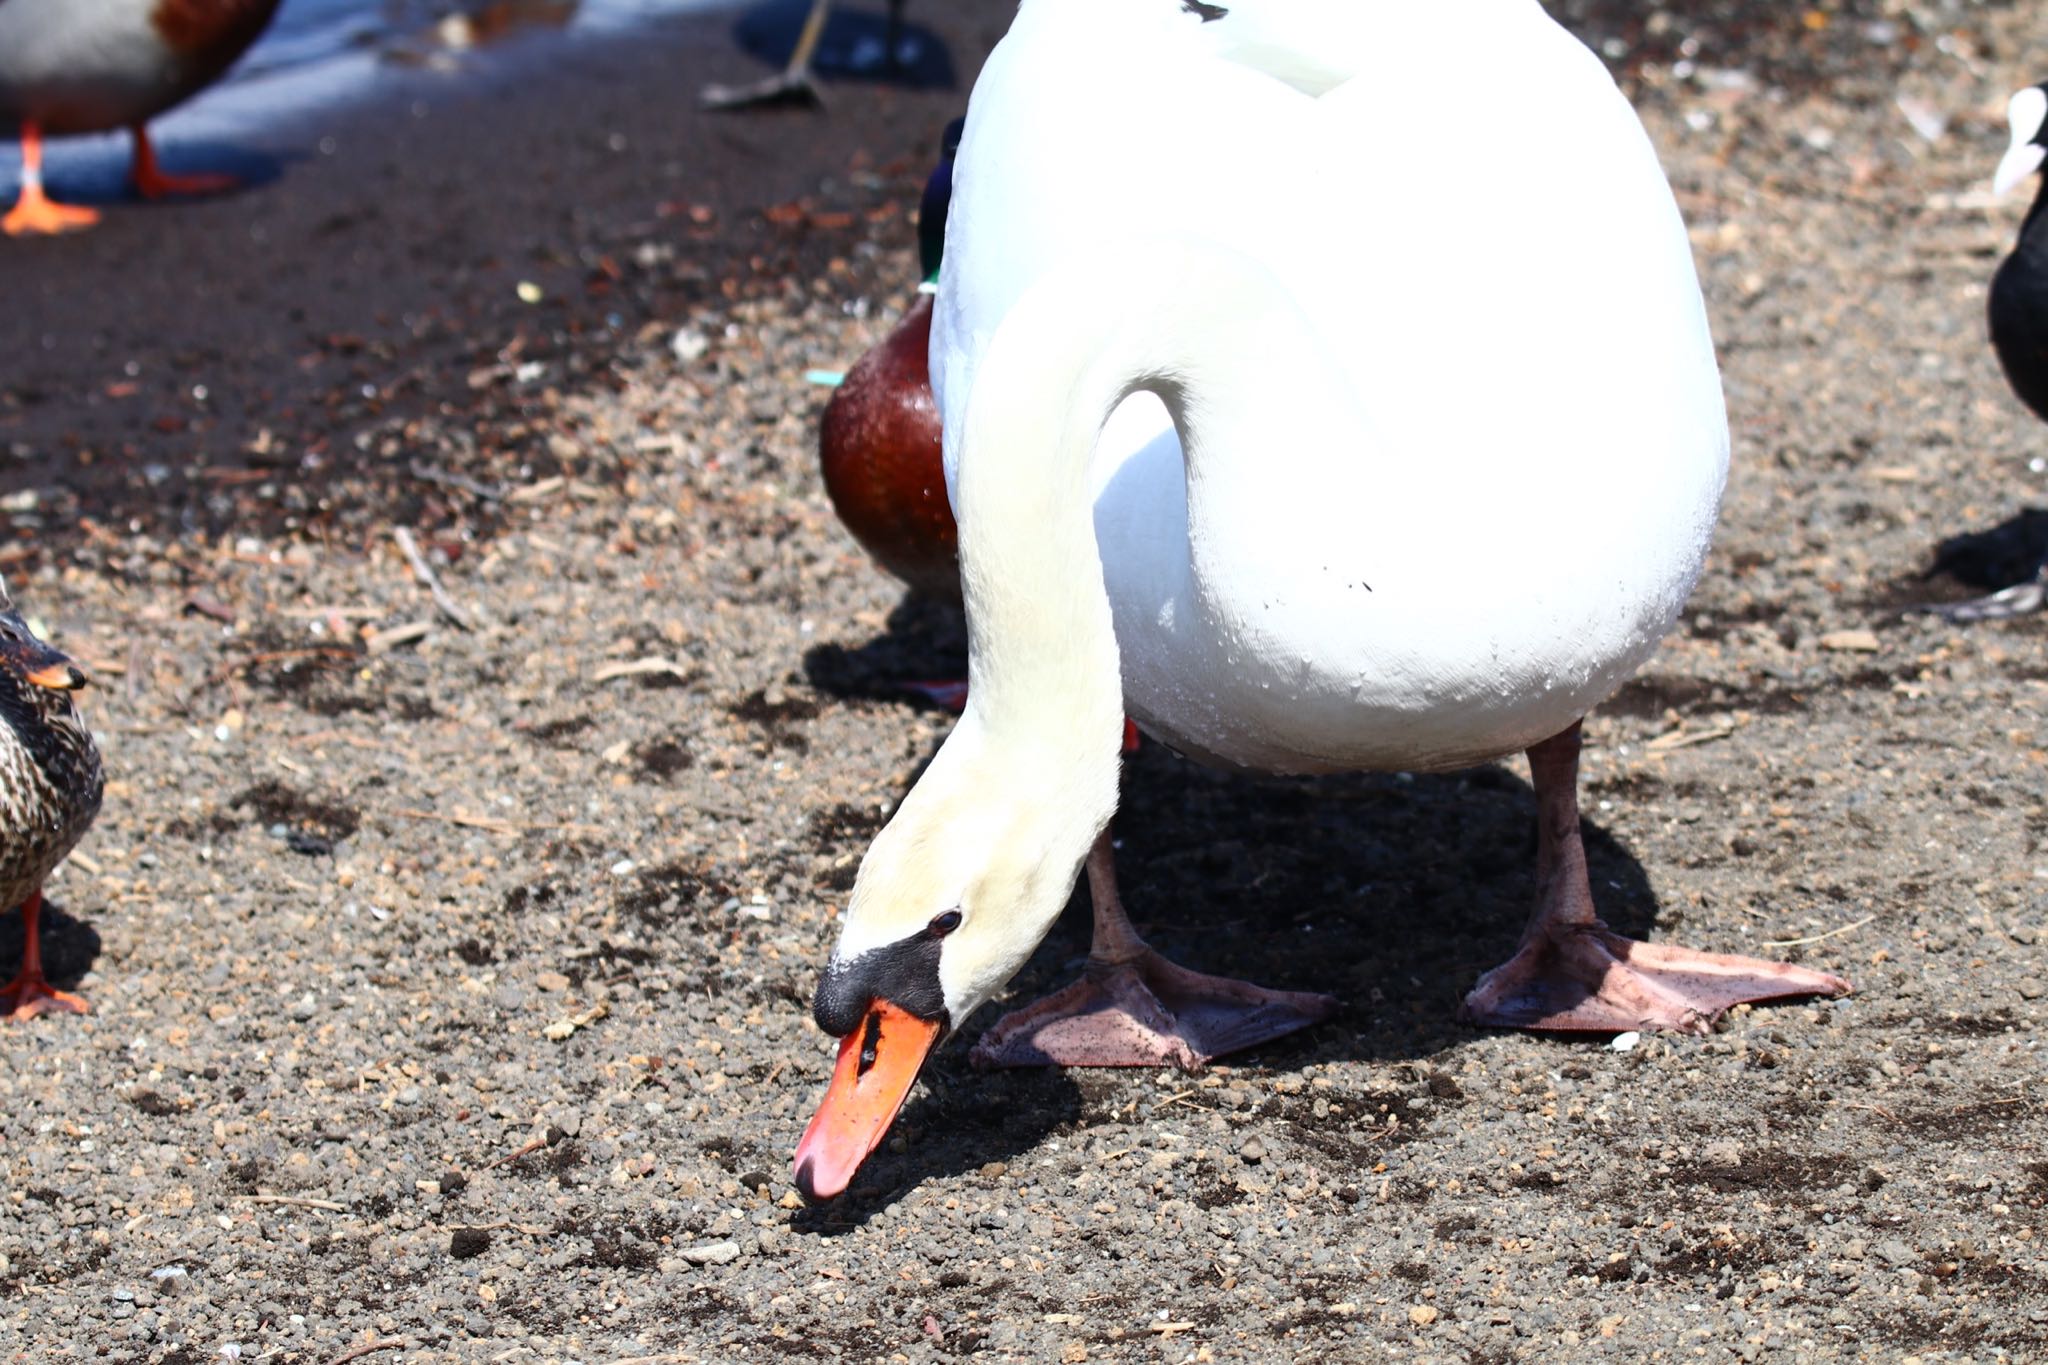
point(1573, 972)
point(1134, 1008)
point(793, 84)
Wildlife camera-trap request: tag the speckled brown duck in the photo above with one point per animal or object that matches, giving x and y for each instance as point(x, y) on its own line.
point(879, 440)
point(50, 786)
point(92, 66)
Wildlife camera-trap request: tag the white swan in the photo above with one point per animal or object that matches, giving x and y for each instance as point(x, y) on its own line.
point(1323, 412)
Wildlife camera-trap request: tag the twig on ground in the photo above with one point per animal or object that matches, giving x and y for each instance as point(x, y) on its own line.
point(424, 573)
point(638, 668)
point(368, 1348)
point(492, 822)
point(208, 605)
point(1873, 1108)
point(1796, 942)
point(448, 478)
point(297, 1201)
point(1682, 738)
point(384, 641)
point(528, 1150)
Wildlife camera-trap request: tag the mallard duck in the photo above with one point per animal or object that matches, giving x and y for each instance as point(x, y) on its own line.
point(2019, 321)
point(794, 82)
point(1264, 423)
point(878, 442)
point(90, 66)
point(50, 784)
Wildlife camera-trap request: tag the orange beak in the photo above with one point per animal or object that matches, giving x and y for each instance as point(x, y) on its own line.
point(878, 1062)
point(61, 676)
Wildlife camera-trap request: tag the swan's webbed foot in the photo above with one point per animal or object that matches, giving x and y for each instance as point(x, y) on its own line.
point(1147, 1012)
point(1589, 979)
point(1574, 973)
point(1135, 1008)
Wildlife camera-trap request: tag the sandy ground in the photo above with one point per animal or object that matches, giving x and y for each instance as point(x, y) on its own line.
point(451, 985)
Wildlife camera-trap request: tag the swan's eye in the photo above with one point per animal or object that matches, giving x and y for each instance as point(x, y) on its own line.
point(943, 925)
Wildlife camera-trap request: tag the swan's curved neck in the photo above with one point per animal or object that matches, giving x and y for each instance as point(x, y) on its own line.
point(1000, 822)
point(1239, 368)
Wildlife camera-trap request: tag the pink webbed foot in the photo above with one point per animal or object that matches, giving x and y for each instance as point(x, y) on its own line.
point(1132, 1007)
point(1573, 973)
point(1147, 1012)
point(1589, 979)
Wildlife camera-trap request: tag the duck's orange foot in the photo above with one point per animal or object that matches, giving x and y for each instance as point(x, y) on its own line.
point(1585, 978)
point(152, 181)
point(1147, 1012)
point(156, 183)
point(163, 185)
point(35, 214)
point(31, 994)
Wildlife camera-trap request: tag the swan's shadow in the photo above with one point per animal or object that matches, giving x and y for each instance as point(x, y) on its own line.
point(924, 640)
point(958, 1120)
point(1390, 891)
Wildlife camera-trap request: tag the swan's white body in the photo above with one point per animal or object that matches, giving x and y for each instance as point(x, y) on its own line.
point(1471, 502)
point(1415, 287)
point(1327, 386)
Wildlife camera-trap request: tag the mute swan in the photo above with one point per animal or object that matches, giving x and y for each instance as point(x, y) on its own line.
point(1265, 423)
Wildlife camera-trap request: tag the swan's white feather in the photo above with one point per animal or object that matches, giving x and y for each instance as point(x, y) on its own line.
point(1476, 228)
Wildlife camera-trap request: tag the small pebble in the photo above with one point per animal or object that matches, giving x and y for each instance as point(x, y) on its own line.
point(712, 1253)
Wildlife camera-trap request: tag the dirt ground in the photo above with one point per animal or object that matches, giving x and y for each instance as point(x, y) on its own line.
point(451, 984)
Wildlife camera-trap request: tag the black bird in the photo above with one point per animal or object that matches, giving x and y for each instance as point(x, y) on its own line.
point(793, 83)
point(2019, 322)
